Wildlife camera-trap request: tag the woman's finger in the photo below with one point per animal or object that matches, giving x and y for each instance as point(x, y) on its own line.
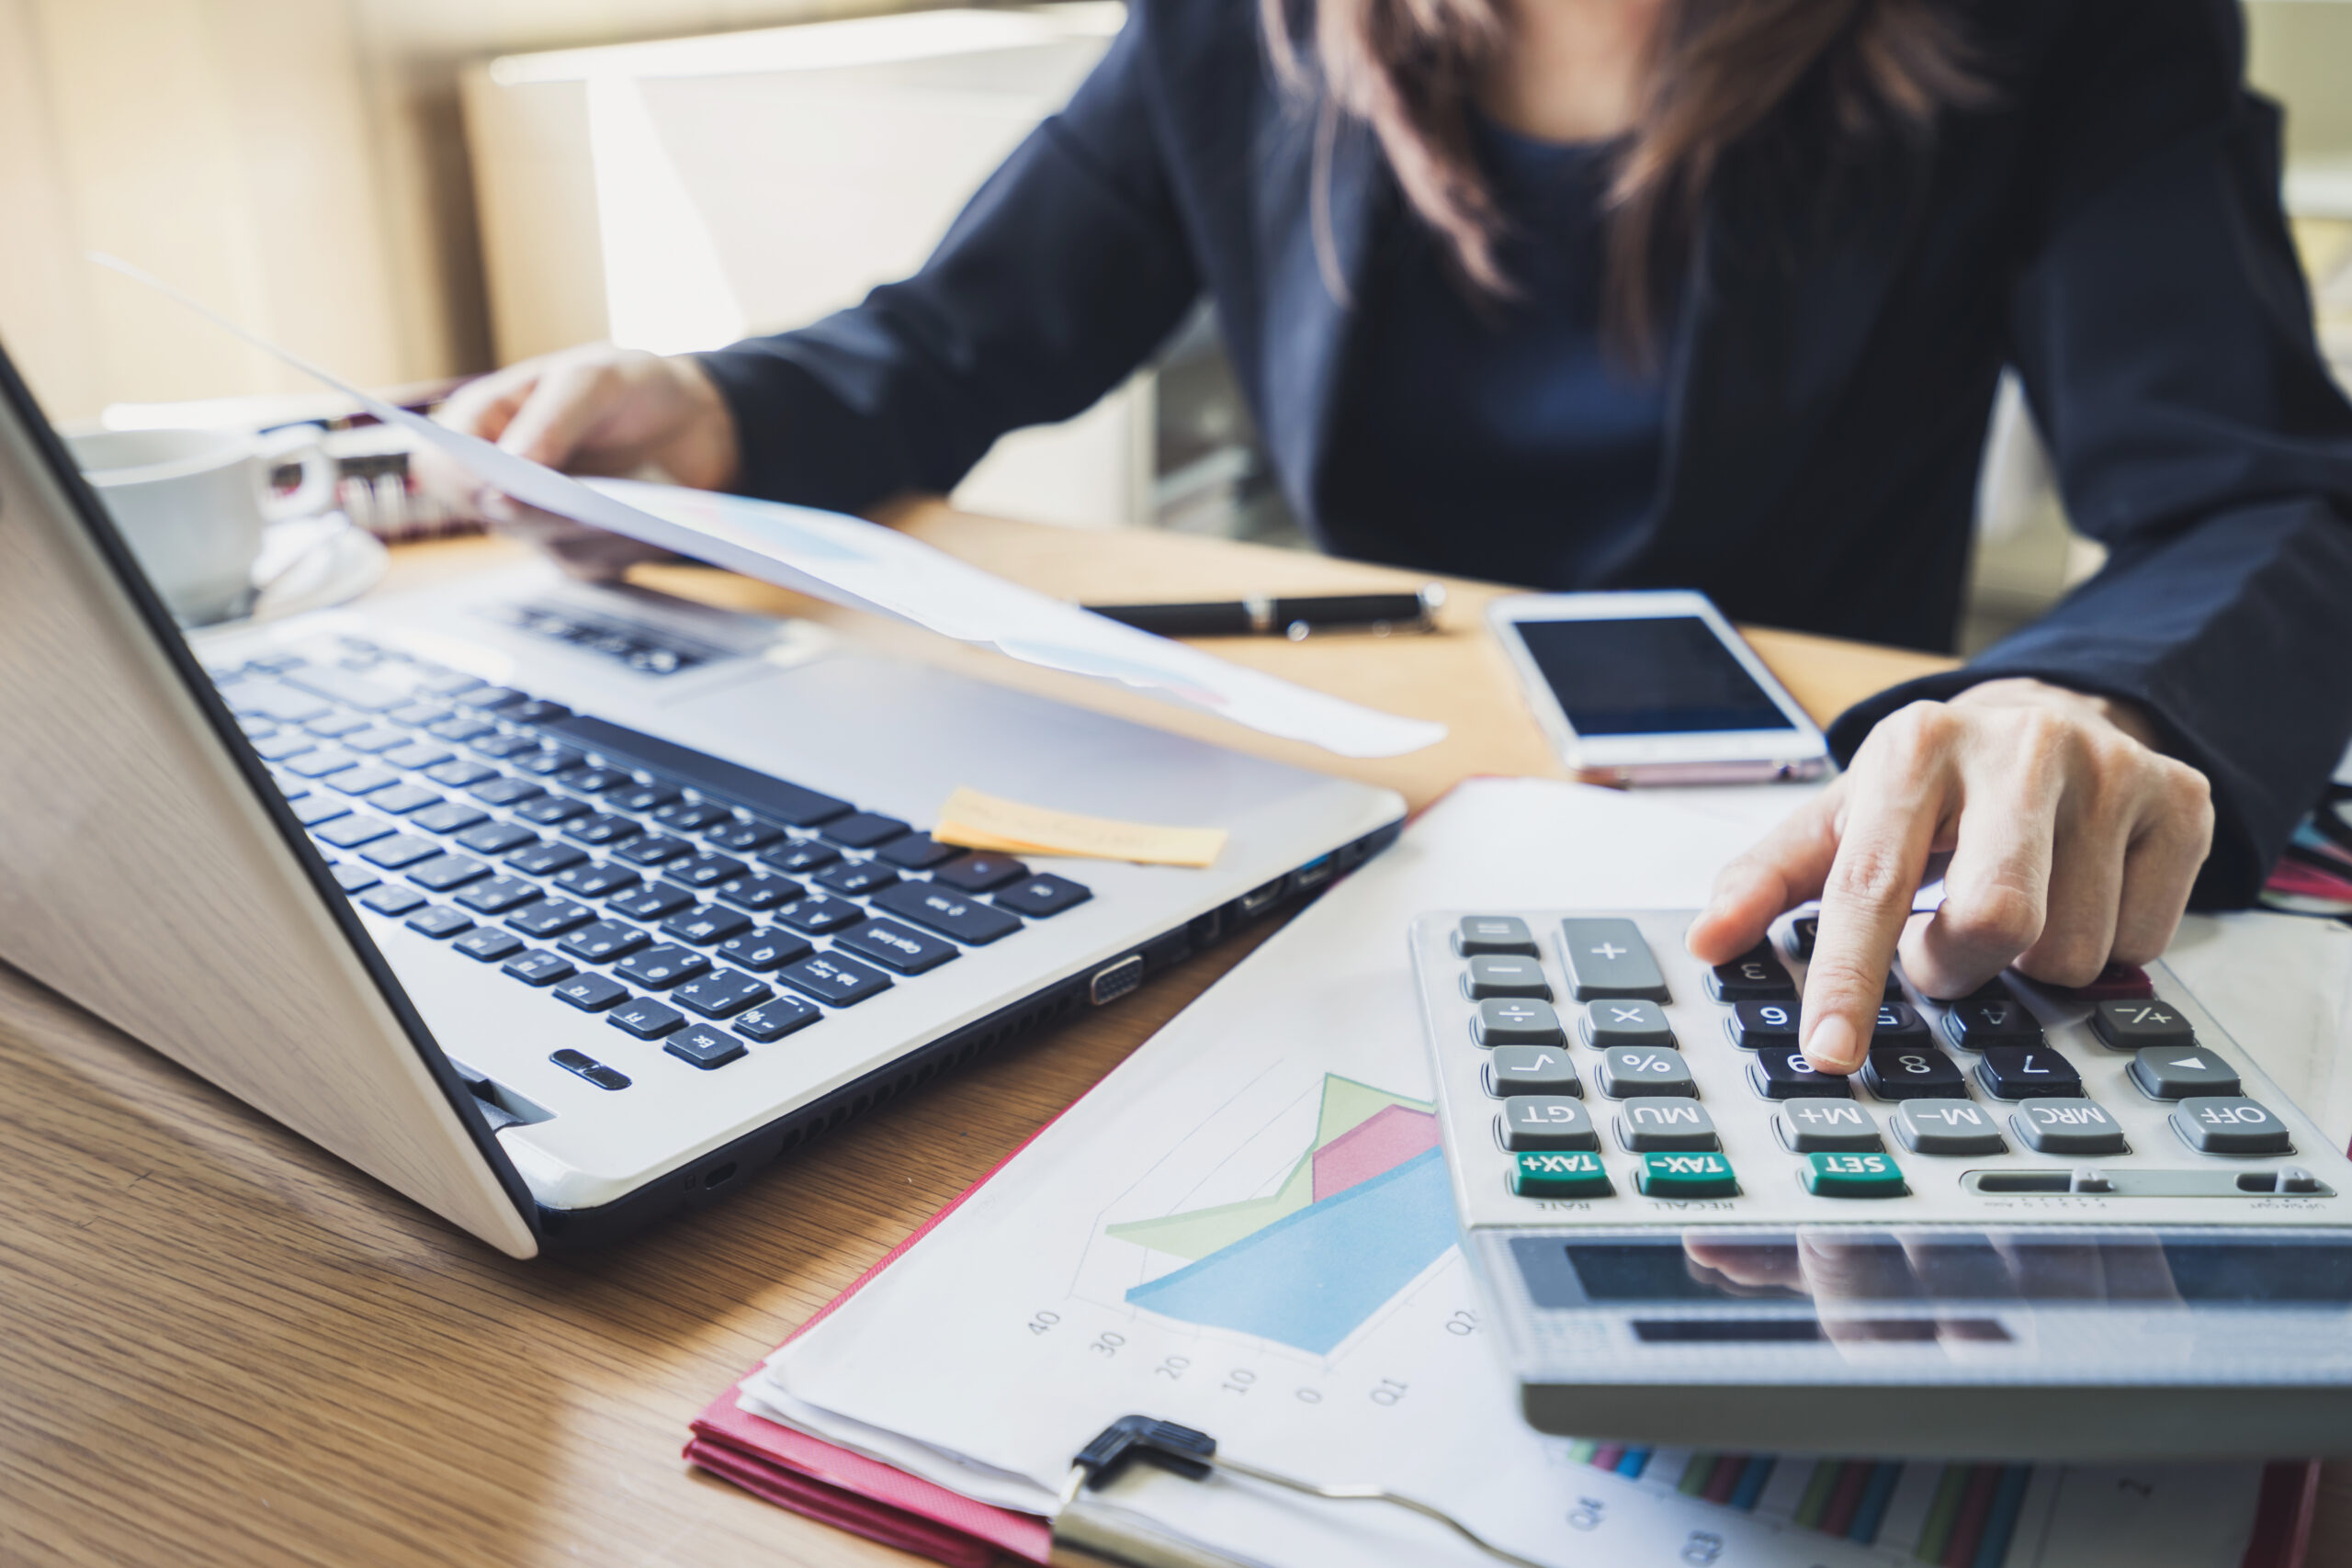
point(2095, 825)
point(564, 405)
point(1784, 869)
point(1996, 883)
point(2161, 865)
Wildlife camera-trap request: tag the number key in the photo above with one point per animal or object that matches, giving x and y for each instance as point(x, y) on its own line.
point(1899, 1072)
point(1756, 1025)
point(2028, 1072)
point(1973, 1025)
point(1786, 1075)
point(1754, 977)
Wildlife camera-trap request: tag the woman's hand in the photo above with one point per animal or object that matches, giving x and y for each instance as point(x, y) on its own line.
point(591, 410)
point(2073, 841)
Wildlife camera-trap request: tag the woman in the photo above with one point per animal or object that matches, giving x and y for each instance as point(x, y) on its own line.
point(1712, 293)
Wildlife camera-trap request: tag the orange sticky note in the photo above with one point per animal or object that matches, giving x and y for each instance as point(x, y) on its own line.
point(976, 821)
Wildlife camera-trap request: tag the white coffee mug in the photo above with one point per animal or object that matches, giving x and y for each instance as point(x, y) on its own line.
point(191, 505)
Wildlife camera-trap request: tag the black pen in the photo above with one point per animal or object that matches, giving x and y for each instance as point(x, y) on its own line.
point(1263, 615)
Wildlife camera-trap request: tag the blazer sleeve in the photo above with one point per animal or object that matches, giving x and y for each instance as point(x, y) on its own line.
point(2161, 326)
point(1067, 267)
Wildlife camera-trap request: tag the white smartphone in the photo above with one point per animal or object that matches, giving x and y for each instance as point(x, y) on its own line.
point(1653, 688)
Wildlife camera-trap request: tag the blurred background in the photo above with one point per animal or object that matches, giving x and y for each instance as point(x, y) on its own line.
point(413, 190)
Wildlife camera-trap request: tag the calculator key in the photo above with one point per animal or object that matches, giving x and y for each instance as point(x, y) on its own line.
point(496, 838)
point(842, 981)
point(1802, 932)
point(704, 1046)
point(2169, 1073)
point(588, 1067)
point(446, 872)
point(645, 1017)
point(2067, 1127)
point(605, 941)
point(745, 838)
point(1608, 958)
point(1609, 1024)
point(392, 899)
point(1631, 1071)
point(708, 926)
point(489, 944)
point(1897, 1023)
point(977, 872)
point(2133, 1025)
point(1753, 978)
point(1755, 1025)
point(1559, 1174)
point(1490, 975)
point(440, 922)
point(916, 851)
point(1991, 990)
point(763, 950)
point(863, 829)
point(1853, 1176)
point(721, 992)
point(1899, 1072)
point(757, 891)
point(887, 941)
point(1687, 1176)
point(801, 856)
point(2028, 1072)
point(950, 914)
point(1531, 1069)
point(1493, 934)
point(546, 860)
point(551, 917)
point(449, 817)
point(592, 993)
point(2230, 1125)
point(705, 870)
point(2117, 982)
point(597, 881)
point(538, 968)
point(776, 1018)
point(1779, 1074)
point(1826, 1126)
point(659, 967)
point(1973, 1025)
point(1648, 1126)
point(1947, 1127)
point(1518, 1021)
point(856, 879)
point(820, 913)
point(353, 831)
point(498, 895)
point(658, 902)
point(1041, 895)
point(1546, 1122)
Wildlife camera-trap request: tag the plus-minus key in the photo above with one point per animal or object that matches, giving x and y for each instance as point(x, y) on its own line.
point(1608, 958)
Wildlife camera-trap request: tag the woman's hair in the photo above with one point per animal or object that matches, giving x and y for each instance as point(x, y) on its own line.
point(1718, 70)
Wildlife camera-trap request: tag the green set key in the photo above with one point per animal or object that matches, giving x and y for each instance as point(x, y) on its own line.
point(1559, 1175)
point(1688, 1176)
point(1853, 1176)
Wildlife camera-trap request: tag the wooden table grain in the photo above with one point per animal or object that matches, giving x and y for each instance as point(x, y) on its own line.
point(219, 1346)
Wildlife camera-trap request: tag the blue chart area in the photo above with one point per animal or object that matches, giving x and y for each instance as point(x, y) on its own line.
point(1309, 1278)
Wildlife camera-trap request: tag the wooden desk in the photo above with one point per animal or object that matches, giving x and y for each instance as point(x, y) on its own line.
point(218, 1344)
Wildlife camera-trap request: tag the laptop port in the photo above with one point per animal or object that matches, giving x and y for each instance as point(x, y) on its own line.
point(1116, 980)
point(1314, 873)
point(1255, 901)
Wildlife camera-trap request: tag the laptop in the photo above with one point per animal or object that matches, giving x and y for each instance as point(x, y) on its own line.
point(560, 908)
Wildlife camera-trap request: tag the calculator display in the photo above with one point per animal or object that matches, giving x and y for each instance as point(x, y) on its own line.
point(1653, 675)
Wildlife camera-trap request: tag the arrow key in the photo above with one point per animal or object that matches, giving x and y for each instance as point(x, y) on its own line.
point(2167, 1072)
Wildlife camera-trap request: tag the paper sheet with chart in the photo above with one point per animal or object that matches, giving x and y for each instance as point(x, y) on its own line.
point(1246, 1228)
point(846, 560)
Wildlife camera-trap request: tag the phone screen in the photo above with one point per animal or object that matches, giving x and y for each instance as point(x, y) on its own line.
point(1662, 675)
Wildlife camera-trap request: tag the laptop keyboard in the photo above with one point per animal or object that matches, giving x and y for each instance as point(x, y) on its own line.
point(684, 898)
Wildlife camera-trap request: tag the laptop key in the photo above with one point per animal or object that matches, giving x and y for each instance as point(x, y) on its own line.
point(653, 849)
point(549, 917)
point(351, 832)
point(496, 838)
point(856, 879)
point(592, 993)
point(374, 741)
point(392, 898)
point(981, 872)
point(462, 727)
point(657, 902)
point(541, 762)
point(319, 763)
point(460, 773)
point(491, 698)
point(937, 909)
point(349, 687)
point(693, 816)
point(659, 967)
point(588, 1067)
point(593, 779)
point(538, 968)
point(602, 942)
point(721, 993)
point(774, 1020)
point(279, 747)
point(319, 808)
point(801, 856)
point(503, 747)
point(532, 710)
point(488, 944)
point(417, 754)
point(404, 798)
point(1041, 895)
point(705, 871)
point(704, 1046)
point(643, 797)
point(763, 950)
point(352, 877)
point(546, 860)
point(416, 715)
point(551, 810)
point(743, 837)
point(335, 725)
point(362, 781)
point(764, 793)
point(841, 982)
point(441, 874)
point(706, 926)
point(863, 829)
point(646, 1018)
point(442, 682)
point(887, 941)
point(267, 699)
point(440, 922)
point(503, 791)
point(498, 895)
point(600, 830)
point(820, 913)
point(758, 892)
point(597, 880)
point(394, 853)
point(916, 851)
point(449, 817)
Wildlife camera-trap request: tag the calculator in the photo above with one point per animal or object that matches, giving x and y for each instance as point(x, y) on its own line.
point(2037, 1224)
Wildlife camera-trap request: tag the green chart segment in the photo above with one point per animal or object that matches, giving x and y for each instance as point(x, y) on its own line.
point(1951, 1515)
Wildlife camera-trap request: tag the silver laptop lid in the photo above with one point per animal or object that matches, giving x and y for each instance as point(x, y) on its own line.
point(150, 871)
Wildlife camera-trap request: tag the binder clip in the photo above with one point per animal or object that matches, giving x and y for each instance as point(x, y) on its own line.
point(1089, 1533)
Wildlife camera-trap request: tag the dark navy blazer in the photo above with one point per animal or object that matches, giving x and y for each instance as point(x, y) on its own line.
point(2110, 227)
